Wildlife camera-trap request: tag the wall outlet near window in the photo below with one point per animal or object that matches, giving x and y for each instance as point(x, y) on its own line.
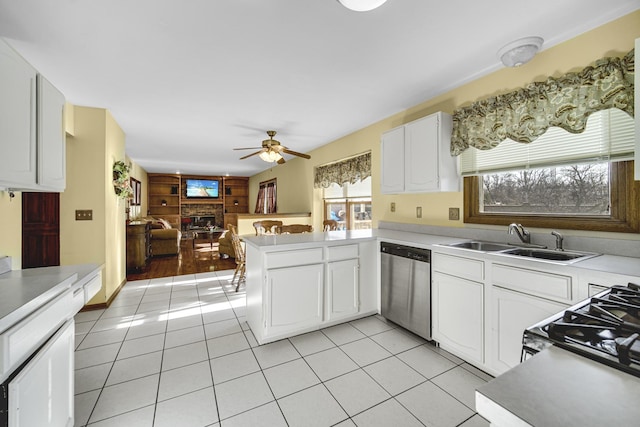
point(393, 206)
point(419, 212)
point(454, 214)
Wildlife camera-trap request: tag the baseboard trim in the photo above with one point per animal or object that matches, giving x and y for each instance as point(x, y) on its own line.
point(104, 305)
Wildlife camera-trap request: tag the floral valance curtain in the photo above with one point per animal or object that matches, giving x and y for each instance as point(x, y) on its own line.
point(349, 170)
point(527, 113)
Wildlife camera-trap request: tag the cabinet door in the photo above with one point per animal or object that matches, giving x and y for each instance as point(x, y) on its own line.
point(17, 120)
point(458, 311)
point(512, 313)
point(421, 155)
point(392, 158)
point(294, 298)
point(342, 289)
point(51, 140)
point(42, 393)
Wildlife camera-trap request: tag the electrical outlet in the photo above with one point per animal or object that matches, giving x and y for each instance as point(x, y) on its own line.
point(454, 214)
point(419, 212)
point(393, 206)
point(84, 215)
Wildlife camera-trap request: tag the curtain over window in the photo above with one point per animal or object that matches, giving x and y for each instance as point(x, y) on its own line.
point(565, 102)
point(266, 202)
point(349, 170)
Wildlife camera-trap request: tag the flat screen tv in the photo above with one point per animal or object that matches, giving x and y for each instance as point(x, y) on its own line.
point(202, 188)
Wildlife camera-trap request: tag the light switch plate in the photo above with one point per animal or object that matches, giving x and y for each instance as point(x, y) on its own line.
point(419, 212)
point(84, 215)
point(454, 214)
point(393, 206)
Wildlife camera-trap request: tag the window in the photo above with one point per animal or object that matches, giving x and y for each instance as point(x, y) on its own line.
point(349, 204)
point(622, 216)
point(266, 202)
point(560, 180)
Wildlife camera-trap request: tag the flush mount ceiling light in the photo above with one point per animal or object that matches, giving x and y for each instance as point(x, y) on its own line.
point(520, 51)
point(362, 5)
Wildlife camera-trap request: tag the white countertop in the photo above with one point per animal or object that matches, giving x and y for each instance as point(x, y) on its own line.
point(24, 291)
point(559, 388)
point(606, 263)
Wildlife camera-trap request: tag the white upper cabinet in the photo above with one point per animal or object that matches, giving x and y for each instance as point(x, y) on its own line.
point(392, 168)
point(416, 157)
point(17, 119)
point(32, 141)
point(51, 139)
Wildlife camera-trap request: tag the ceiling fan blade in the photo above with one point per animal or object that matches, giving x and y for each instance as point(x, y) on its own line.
point(295, 153)
point(281, 161)
point(248, 148)
point(252, 154)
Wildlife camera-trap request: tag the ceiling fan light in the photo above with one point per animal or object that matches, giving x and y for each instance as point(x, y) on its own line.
point(270, 156)
point(362, 5)
point(520, 51)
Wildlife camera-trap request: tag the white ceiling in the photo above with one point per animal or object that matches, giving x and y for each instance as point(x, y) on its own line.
point(189, 80)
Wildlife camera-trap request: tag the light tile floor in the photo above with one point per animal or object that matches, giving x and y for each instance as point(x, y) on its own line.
point(178, 352)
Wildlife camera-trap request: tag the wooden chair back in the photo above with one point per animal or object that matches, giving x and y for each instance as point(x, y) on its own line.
point(329, 225)
point(295, 228)
point(266, 227)
point(238, 248)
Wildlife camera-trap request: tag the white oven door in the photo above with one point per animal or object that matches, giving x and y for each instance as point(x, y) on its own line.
point(42, 392)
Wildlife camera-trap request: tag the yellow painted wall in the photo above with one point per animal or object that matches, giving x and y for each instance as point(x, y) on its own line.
point(97, 143)
point(115, 211)
point(11, 228)
point(613, 39)
point(140, 174)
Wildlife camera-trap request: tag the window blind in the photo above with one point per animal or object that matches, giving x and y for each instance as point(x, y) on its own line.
point(608, 136)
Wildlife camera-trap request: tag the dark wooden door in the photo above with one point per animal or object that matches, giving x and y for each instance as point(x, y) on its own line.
point(40, 229)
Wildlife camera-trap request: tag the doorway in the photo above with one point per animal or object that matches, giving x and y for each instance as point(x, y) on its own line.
point(40, 229)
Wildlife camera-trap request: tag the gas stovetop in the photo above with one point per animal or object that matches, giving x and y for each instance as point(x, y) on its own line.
point(605, 328)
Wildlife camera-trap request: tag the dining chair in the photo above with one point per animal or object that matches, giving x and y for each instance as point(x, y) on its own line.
point(329, 225)
point(295, 228)
point(266, 227)
point(239, 249)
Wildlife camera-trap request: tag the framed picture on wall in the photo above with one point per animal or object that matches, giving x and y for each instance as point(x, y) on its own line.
point(136, 186)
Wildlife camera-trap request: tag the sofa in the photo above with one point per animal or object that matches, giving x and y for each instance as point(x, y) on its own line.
point(165, 240)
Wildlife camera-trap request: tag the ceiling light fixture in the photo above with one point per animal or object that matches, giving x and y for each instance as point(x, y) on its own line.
point(270, 156)
point(362, 5)
point(520, 51)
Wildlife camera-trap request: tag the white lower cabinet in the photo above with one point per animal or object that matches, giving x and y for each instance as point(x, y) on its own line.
point(342, 296)
point(293, 291)
point(294, 298)
point(511, 313)
point(458, 316)
point(42, 393)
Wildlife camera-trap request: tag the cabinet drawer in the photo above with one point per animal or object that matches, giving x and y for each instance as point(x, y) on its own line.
point(92, 287)
point(533, 282)
point(342, 252)
point(291, 258)
point(77, 298)
point(18, 342)
point(467, 268)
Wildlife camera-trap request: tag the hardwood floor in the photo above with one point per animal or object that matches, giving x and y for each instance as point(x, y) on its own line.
point(190, 260)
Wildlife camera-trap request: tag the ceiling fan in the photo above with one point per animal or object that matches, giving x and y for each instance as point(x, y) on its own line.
point(271, 150)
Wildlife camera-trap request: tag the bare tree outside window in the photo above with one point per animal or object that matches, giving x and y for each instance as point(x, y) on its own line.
point(576, 190)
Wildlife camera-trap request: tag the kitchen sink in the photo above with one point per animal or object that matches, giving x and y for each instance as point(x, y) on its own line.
point(549, 254)
point(482, 246)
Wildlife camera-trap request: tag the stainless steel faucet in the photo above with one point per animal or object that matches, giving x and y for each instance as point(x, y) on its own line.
point(559, 239)
point(521, 232)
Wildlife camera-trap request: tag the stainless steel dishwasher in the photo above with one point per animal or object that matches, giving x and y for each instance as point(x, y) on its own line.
point(406, 287)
